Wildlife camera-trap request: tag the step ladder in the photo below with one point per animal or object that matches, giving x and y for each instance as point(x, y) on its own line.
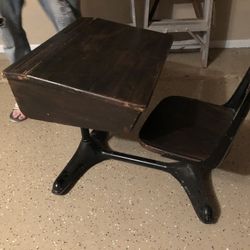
point(198, 28)
point(132, 13)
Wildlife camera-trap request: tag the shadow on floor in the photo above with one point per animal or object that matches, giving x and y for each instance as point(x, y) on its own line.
point(238, 158)
point(214, 54)
point(220, 25)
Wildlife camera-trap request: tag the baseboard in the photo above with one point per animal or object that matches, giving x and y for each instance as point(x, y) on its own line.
point(245, 43)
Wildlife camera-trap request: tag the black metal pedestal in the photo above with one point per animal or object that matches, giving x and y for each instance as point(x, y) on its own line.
point(93, 149)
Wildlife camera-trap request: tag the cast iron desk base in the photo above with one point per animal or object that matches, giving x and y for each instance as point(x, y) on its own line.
point(93, 149)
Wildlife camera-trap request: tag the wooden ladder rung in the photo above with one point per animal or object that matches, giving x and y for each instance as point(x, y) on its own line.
point(180, 25)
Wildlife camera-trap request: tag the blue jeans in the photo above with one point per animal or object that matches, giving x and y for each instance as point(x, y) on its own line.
point(61, 13)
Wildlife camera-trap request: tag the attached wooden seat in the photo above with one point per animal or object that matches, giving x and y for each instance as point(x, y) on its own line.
point(186, 127)
point(195, 131)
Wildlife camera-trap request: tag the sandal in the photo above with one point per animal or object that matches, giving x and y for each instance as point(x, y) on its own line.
point(19, 117)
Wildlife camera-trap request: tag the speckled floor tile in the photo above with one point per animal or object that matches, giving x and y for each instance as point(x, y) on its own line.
point(118, 205)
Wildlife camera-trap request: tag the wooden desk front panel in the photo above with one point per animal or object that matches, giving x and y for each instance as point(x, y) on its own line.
point(52, 103)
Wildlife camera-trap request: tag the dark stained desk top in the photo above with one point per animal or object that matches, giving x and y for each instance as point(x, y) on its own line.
point(113, 62)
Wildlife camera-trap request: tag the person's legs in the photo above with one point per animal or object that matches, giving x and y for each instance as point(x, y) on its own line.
point(76, 8)
point(13, 35)
point(14, 38)
point(61, 12)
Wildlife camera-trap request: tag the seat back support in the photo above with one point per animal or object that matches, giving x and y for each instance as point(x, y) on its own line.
point(240, 104)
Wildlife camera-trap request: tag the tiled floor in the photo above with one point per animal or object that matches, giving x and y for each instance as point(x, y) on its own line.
point(118, 205)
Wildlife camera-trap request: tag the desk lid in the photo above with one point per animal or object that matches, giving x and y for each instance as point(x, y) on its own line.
point(113, 61)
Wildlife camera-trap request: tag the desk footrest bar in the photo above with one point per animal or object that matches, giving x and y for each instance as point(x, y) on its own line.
point(168, 167)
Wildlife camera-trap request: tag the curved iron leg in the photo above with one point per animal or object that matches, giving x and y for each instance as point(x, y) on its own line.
point(197, 183)
point(87, 155)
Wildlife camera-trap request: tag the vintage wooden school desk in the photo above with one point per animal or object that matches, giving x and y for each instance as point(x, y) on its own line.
point(100, 75)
